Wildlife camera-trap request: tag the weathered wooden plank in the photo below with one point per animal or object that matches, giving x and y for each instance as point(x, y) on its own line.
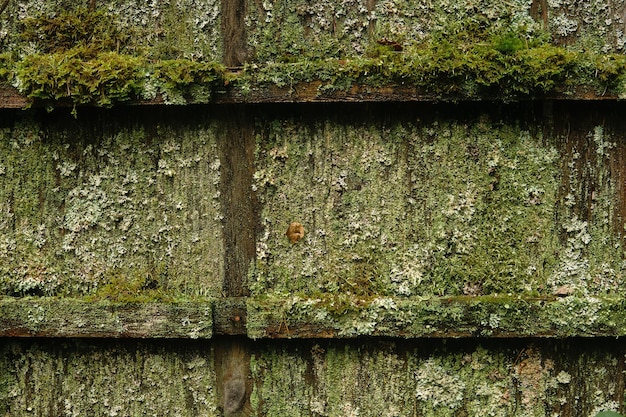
point(294, 317)
point(472, 377)
point(504, 316)
point(52, 377)
point(63, 317)
point(10, 98)
point(309, 92)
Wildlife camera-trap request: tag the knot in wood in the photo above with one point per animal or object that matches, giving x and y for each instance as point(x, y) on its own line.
point(295, 232)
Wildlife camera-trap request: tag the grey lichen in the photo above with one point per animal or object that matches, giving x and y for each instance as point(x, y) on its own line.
point(390, 379)
point(82, 211)
point(405, 209)
point(110, 379)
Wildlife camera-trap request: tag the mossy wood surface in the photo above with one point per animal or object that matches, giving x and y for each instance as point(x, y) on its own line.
point(484, 221)
point(58, 53)
point(45, 317)
point(446, 317)
point(376, 377)
point(404, 201)
point(125, 378)
point(124, 208)
point(506, 221)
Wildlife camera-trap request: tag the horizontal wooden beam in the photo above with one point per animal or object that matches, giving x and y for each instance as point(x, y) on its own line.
point(61, 317)
point(310, 92)
point(494, 316)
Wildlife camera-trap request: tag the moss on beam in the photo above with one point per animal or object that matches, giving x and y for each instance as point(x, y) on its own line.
point(106, 78)
point(107, 55)
point(432, 71)
point(64, 317)
point(498, 316)
point(327, 316)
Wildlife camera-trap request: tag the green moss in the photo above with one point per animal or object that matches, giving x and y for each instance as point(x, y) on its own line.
point(504, 65)
point(92, 30)
point(458, 50)
point(509, 43)
point(132, 286)
point(82, 57)
point(179, 29)
point(447, 69)
point(461, 61)
point(182, 81)
point(107, 78)
point(448, 52)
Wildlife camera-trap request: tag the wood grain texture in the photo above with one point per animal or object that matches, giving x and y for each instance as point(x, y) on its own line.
point(52, 317)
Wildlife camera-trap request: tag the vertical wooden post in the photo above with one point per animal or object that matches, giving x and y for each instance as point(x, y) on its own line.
point(238, 201)
point(371, 27)
point(232, 371)
point(232, 355)
point(239, 207)
point(539, 11)
point(234, 32)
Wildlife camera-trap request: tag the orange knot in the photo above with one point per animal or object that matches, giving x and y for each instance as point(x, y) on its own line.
point(295, 232)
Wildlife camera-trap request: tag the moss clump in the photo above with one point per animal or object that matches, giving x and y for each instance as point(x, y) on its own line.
point(106, 78)
point(82, 56)
point(92, 31)
point(505, 67)
point(509, 43)
point(184, 81)
point(109, 77)
point(128, 285)
point(469, 59)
